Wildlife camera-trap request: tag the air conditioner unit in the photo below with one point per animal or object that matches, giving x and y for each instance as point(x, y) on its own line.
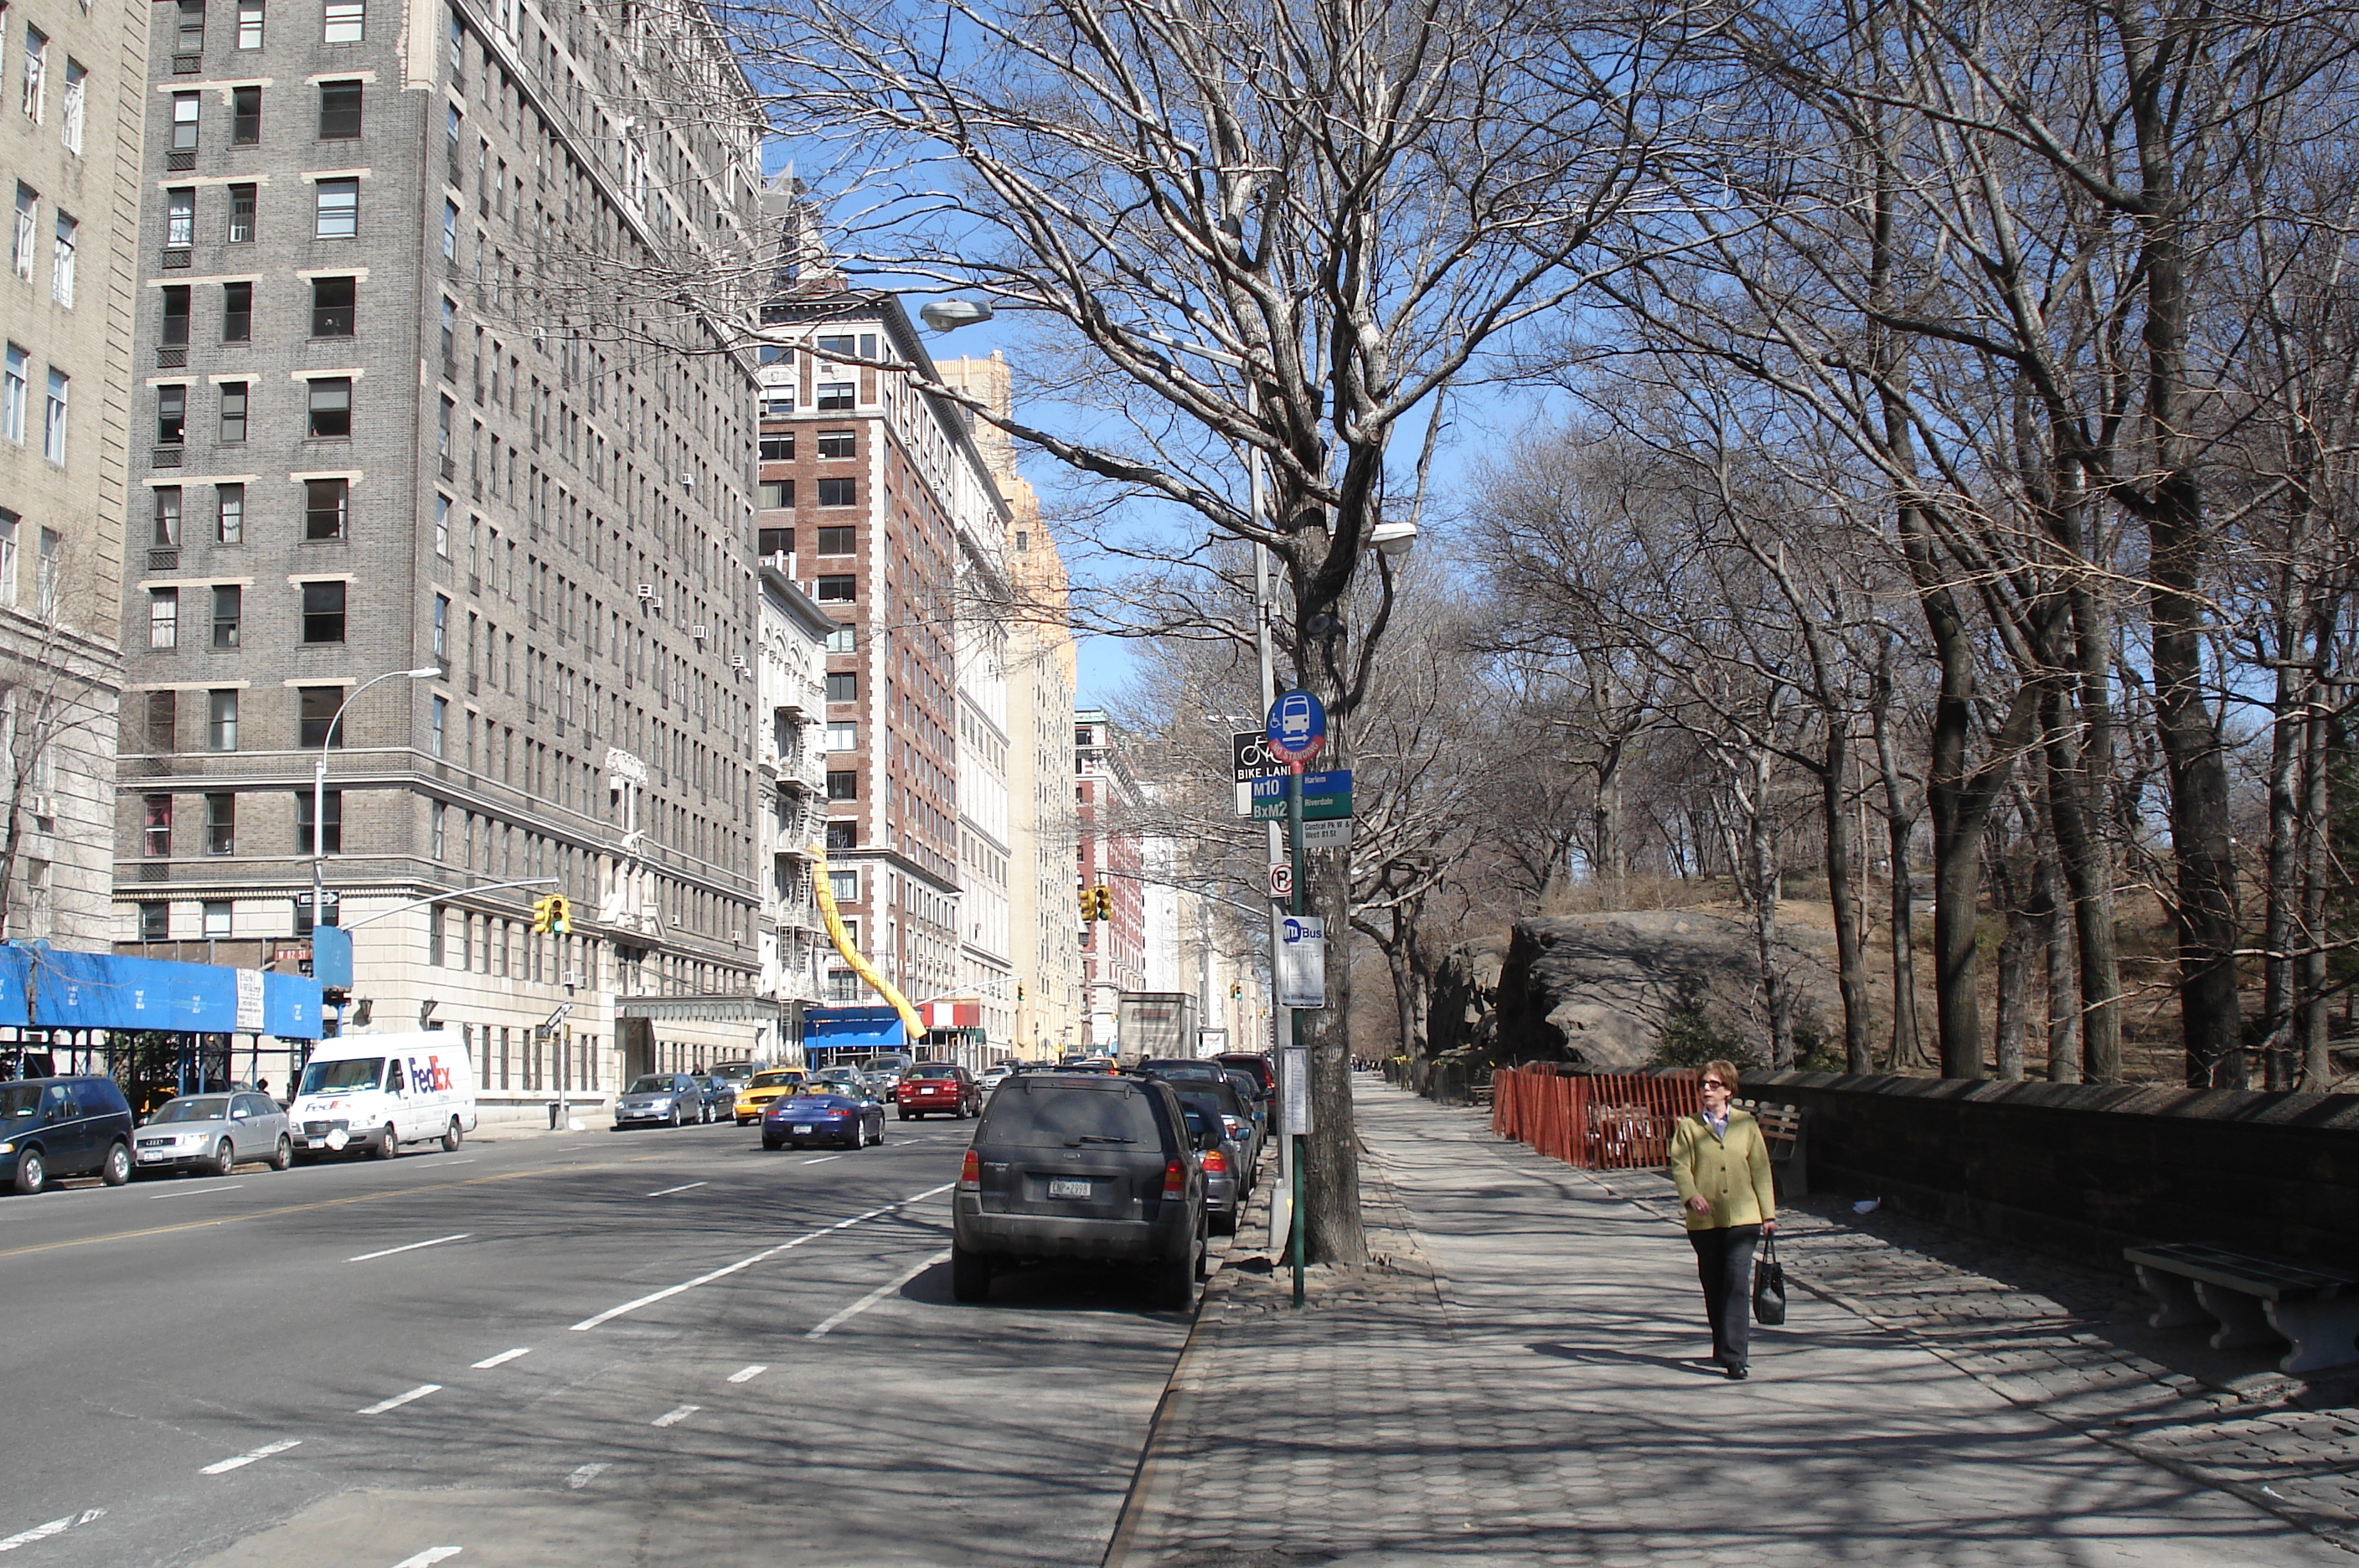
point(573, 977)
point(737, 663)
point(699, 631)
point(647, 589)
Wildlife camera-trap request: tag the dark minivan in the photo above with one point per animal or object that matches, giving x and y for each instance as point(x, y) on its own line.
point(64, 1127)
point(1080, 1165)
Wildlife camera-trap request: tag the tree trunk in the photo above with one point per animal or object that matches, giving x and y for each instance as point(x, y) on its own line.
point(1900, 827)
point(2011, 891)
point(2288, 727)
point(2317, 1069)
point(1332, 1232)
point(1851, 961)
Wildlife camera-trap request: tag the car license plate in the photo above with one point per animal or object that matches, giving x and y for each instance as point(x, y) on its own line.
point(147, 1154)
point(802, 1129)
point(1069, 1189)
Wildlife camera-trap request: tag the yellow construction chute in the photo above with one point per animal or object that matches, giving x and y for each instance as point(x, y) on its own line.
point(852, 955)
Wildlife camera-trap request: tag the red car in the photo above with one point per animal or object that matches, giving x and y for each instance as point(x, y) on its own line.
point(938, 1088)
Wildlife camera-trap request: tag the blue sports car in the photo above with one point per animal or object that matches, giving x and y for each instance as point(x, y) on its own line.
point(808, 1120)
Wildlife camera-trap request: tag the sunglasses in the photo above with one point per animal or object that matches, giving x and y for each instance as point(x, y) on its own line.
point(1713, 1083)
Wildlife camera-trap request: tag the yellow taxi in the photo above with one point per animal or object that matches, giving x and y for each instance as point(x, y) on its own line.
point(766, 1086)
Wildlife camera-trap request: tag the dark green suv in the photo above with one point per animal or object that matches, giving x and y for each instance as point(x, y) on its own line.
point(64, 1127)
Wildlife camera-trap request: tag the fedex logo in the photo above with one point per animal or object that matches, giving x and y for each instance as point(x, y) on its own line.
point(432, 1078)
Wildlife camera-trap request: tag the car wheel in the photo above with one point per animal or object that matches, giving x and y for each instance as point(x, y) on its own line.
point(901, 1116)
point(970, 1276)
point(117, 1169)
point(224, 1157)
point(32, 1175)
point(451, 1136)
point(284, 1155)
point(387, 1144)
point(1223, 1224)
point(1171, 1283)
point(771, 1144)
point(675, 1113)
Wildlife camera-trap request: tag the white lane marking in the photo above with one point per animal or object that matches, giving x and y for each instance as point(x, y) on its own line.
point(431, 1556)
point(199, 1187)
point(671, 1418)
point(382, 1406)
point(55, 1527)
point(587, 1474)
point(469, 1161)
point(728, 1269)
point(683, 1187)
point(223, 1467)
point(413, 1247)
point(747, 1373)
point(822, 1160)
point(878, 1294)
point(503, 1357)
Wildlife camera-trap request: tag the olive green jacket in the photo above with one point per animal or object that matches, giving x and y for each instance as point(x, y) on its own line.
point(1730, 1173)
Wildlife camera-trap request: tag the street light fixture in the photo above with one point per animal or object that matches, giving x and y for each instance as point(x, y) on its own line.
point(319, 785)
point(1394, 539)
point(948, 315)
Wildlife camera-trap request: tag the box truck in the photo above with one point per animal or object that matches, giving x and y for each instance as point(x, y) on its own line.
point(1155, 1023)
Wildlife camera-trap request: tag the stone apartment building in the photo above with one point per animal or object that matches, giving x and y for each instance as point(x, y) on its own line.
point(1043, 906)
point(873, 493)
point(72, 87)
point(398, 407)
point(793, 815)
point(1107, 798)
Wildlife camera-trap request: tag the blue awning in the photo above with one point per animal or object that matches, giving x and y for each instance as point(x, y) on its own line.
point(841, 1028)
point(49, 988)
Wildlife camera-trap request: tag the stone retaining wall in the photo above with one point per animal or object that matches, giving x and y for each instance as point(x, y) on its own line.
point(2083, 1167)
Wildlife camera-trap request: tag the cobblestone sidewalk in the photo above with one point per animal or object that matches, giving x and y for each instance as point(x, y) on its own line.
point(1514, 1384)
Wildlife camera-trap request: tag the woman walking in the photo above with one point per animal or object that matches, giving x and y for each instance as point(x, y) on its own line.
point(1721, 1167)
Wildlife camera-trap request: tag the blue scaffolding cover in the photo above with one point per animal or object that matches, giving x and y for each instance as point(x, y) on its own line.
point(49, 988)
point(840, 1028)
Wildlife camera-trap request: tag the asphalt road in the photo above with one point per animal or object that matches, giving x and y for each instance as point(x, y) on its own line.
point(642, 1348)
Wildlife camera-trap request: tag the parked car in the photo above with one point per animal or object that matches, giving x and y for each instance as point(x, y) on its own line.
point(938, 1088)
point(845, 1073)
point(995, 1074)
point(665, 1099)
point(1222, 1159)
point(765, 1086)
point(736, 1073)
point(719, 1095)
point(213, 1133)
point(819, 1116)
point(1229, 1094)
point(1081, 1166)
point(64, 1127)
point(1256, 1062)
point(378, 1092)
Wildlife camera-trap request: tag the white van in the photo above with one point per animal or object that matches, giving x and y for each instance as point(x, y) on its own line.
point(378, 1092)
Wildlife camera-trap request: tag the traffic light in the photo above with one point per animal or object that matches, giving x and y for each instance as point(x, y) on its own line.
point(544, 914)
point(561, 914)
point(1097, 903)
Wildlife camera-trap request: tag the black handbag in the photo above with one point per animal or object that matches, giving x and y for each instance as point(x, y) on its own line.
point(1769, 1285)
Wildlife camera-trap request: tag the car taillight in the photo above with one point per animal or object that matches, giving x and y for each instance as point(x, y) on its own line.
point(1175, 1179)
point(1214, 1161)
point(971, 1174)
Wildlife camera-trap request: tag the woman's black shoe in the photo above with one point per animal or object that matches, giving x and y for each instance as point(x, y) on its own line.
point(1739, 1373)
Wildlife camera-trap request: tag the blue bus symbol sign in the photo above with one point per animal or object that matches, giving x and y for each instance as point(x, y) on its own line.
point(1297, 727)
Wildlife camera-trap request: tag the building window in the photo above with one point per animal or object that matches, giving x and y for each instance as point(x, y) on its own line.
point(176, 315)
point(836, 589)
point(443, 527)
point(778, 406)
point(336, 209)
point(843, 985)
point(77, 103)
point(434, 934)
point(191, 40)
point(163, 617)
point(13, 388)
point(249, 24)
point(241, 214)
point(835, 541)
point(442, 626)
point(229, 610)
point(53, 417)
point(180, 217)
point(333, 300)
point(156, 921)
point(20, 245)
point(437, 820)
point(331, 408)
point(837, 444)
point(1023, 540)
point(834, 396)
point(331, 822)
point(839, 492)
point(185, 108)
point(155, 825)
point(167, 534)
point(61, 262)
point(437, 736)
point(778, 449)
point(245, 117)
point(163, 721)
point(327, 506)
point(318, 726)
point(217, 913)
point(844, 639)
point(324, 612)
point(171, 415)
point(221, 824)
point(46, 571)
point(845, 886)
point(842, 686)
point(843, 734)
point(237, 312)
point(450, 228)
point(777, 493)
point(844, 785)
point(343, 21)
point(229, 513)
point(774, 541)
point(843, 836)
point(232, 411)
point(220, 720)
point(8, 524)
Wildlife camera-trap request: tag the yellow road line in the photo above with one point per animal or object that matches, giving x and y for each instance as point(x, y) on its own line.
point(288, 1209)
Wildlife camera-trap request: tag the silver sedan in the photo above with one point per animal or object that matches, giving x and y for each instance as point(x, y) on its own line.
point(213, 1133)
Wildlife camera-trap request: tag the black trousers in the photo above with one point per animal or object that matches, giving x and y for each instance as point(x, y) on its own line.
point(1724, 1264)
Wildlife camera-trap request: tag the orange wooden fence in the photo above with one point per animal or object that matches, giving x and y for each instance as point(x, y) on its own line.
point(1599, 1123)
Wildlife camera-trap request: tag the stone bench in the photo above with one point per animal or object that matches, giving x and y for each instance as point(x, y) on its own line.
point(2254, 1301)
point(1782, 1130)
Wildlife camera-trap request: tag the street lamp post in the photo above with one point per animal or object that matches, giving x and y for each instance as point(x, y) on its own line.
point(320, 786)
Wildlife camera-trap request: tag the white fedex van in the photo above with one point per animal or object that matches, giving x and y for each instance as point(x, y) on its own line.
point(378, 1092)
